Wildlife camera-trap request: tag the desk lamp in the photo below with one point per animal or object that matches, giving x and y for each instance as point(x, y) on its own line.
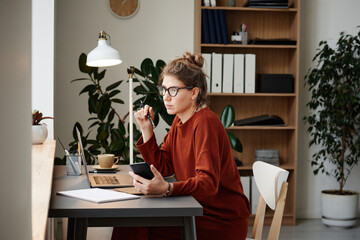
point(104, 56)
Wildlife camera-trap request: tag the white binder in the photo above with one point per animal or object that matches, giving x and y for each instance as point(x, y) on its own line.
point(239, 73)
point(216, 73)
point(250, 63)
point(207, 69)
point(228, 73)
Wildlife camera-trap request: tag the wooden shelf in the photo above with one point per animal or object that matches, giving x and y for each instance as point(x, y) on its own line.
point(249, 167)
point(263, 23)
point(248, 9)
point(252, 94)
point(248, 46)
point(261, 128)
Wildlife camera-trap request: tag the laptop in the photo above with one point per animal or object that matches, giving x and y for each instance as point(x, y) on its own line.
point(103, 180)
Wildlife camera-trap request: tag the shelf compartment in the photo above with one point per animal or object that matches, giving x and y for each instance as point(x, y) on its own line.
point(269, 139)
point(247, 106)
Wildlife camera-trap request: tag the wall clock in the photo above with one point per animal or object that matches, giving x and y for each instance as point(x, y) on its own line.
point(124, 8)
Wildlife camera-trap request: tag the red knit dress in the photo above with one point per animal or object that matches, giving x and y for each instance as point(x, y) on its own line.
point(198, 152)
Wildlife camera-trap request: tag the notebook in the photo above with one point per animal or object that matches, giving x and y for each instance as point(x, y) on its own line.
point(103, 180)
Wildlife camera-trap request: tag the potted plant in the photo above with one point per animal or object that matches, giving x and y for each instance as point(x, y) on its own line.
point(334, 123)
point(39, 130)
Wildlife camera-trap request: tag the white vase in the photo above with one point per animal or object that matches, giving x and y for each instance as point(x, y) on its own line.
point(339, 210)
point(39, 133)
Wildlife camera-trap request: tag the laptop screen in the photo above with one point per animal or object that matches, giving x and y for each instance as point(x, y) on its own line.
point(82, 154)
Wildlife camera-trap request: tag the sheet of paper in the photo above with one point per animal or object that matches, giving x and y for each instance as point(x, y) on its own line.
point(98, 195)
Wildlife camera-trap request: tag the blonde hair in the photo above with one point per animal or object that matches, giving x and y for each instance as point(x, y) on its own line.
point(188, 69)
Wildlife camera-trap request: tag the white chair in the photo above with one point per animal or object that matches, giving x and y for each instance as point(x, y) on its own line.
point(272, 185)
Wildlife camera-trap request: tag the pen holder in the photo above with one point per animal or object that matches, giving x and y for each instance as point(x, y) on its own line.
point(73, 164)
point(244, 37)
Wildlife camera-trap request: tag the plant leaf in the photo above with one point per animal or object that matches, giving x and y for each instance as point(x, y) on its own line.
point(114, 85)
point(228, 116)
point(146, 66)
point(82, 64)
point(234, 142)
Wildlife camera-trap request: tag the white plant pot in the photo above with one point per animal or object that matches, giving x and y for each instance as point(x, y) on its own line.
point(39, 133)
point(339, 210)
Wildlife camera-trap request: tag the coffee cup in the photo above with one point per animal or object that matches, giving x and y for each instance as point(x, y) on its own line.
point(107, 160)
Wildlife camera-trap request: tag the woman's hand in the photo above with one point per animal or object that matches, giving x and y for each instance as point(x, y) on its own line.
point(141, 117)
point(155, 186)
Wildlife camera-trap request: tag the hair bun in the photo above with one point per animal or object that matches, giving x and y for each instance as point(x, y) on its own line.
point(196, 59)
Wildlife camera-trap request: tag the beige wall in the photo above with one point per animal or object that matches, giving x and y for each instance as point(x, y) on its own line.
point(15, 127)
point(160, 29)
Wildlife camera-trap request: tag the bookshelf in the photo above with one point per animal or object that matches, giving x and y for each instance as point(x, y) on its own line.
point(268, 24)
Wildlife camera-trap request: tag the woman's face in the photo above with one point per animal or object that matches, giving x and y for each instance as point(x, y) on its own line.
point(183, 103)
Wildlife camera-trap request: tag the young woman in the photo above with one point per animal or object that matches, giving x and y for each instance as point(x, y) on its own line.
point(197, 150)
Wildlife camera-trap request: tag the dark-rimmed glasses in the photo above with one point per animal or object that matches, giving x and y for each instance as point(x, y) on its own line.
point(173, 91)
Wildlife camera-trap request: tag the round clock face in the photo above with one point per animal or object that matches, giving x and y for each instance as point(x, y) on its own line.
point(124, 8)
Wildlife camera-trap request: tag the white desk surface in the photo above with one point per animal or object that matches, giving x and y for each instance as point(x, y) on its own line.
point(146, 206)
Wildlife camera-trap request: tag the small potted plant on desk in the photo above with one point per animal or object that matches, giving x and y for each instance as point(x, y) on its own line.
point(39, 130)
point(334, 124)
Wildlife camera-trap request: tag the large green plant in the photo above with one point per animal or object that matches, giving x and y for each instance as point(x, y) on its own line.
point(109, 126)
point(334, 117)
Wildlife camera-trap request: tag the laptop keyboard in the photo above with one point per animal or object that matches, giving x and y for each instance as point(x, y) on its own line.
point(106, 180)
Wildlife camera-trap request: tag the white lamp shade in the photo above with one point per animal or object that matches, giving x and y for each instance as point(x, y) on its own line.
point(103, 55)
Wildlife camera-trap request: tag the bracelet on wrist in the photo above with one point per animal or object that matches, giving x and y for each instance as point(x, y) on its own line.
point(168, 190)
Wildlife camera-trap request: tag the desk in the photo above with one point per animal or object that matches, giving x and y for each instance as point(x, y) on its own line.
point(41, 178)
point(146, 211)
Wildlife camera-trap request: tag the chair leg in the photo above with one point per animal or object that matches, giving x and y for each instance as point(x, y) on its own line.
point(259, 220)
point(279, 212)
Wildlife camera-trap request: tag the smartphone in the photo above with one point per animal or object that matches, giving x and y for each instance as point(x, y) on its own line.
point(142, 169)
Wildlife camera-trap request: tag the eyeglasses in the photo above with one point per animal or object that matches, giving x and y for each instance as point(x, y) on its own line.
point(173, 91)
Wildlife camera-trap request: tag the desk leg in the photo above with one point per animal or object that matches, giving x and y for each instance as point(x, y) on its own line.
point(77, 228)
point(71, 229)
point(189, 229)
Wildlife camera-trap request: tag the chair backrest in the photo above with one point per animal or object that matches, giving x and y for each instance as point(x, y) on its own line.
point(272, 185)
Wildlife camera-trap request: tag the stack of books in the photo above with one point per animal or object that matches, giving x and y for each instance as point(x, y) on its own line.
point(214, 27)
point(268, 3)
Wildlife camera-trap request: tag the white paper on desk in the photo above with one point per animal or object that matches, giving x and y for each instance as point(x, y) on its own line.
point(98, 195)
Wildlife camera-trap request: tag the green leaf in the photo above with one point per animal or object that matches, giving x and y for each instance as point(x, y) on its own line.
point(99, 76)
point(113, 93)
point(82, 64)
point(146, 66)
point(103, 107)
point(234, 142)
point(79, 127)
point(116, 145)
point(121, 127)
point(228, 116)
point(80, 79)
point(117, 100)
point(88, 88)
point(93, 103)
point(160, 65)
point(154, 74)
point(111, 115)
point(114, 85)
